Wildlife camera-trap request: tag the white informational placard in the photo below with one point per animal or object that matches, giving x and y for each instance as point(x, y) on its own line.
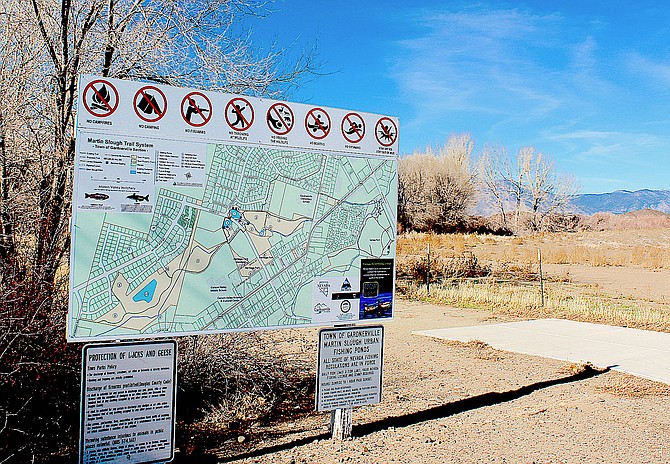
point(128, 402)
point(202, 212)
point(349, 372)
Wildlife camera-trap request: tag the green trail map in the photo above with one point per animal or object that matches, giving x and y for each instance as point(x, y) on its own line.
point(246, 251)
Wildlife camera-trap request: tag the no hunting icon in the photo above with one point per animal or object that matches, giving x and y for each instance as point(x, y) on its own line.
point(196, 109)
point(100, 98)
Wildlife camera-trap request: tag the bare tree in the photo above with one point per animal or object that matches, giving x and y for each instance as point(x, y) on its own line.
point(490, 164)
point(549, 192)
point(435, 190)
point(44, 46)
point(526, 183)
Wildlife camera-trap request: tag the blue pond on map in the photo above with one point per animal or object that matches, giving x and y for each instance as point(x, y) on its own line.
point(147, 293)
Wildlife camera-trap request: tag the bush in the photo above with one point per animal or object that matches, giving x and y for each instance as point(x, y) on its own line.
point(436, 190)
point(229, 382)
point(225, 382)
point(39, 376)
point(460, 266)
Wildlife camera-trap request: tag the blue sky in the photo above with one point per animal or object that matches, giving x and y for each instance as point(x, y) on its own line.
point(586, 82)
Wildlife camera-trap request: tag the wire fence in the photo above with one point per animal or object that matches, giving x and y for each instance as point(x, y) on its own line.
point(445, 269)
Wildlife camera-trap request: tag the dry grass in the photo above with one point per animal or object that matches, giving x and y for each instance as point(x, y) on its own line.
point(479, 349)
point(512, 285)
point(646, 248)
point(577, 368)
point(524, 301)
point(230, 382)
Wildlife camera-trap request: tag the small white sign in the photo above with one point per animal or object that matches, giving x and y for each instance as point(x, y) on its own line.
point(128, 402)
point(335, 299)
point(350, 367)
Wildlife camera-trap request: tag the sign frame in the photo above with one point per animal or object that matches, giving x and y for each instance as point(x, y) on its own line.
point(130, 170)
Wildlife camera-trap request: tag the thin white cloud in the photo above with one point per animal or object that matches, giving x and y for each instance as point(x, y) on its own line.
point(491, 62)
point(653, 71)
point(606, 147)
point(517, 76)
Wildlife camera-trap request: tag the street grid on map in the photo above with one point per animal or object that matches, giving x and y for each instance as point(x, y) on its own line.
point(243, 251)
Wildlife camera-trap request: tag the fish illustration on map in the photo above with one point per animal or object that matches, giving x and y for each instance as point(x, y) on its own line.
point(138, 198)
point(97, 196)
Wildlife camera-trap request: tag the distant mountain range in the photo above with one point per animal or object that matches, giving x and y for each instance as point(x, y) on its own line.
point(622, 201)
point(619, 202)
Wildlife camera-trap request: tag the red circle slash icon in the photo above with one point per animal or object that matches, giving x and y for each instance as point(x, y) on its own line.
point(317, 123)
point(280, 118)
point(239, 114)
point(150, 103)
point(100, 98)
point(196, 109)
point(353, 127)
point(386, 132)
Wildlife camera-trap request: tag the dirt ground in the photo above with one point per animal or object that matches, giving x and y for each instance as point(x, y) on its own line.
point(632, 282)
point(468, 403)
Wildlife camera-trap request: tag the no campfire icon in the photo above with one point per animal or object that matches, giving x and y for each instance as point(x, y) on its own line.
point(101, 98)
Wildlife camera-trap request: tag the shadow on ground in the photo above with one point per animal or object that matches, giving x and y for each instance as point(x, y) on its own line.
point(437, 412)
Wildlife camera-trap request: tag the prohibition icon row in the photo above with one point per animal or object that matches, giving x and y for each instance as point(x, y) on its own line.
point(101, 100)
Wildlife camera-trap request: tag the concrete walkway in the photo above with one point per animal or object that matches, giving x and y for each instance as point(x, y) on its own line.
point(638, 352)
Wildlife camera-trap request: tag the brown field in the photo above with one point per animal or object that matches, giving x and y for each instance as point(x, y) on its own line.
point(448, 402)
point(615, 277)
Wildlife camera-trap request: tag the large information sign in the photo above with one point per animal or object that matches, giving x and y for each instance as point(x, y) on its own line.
point(128, 402)
point(198, 212)
point(350, 367)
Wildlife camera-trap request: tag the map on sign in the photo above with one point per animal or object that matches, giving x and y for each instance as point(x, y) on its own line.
point(179, 236)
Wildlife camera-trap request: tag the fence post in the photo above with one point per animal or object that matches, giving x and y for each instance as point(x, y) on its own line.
point(428, 273)
point(539, 259)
